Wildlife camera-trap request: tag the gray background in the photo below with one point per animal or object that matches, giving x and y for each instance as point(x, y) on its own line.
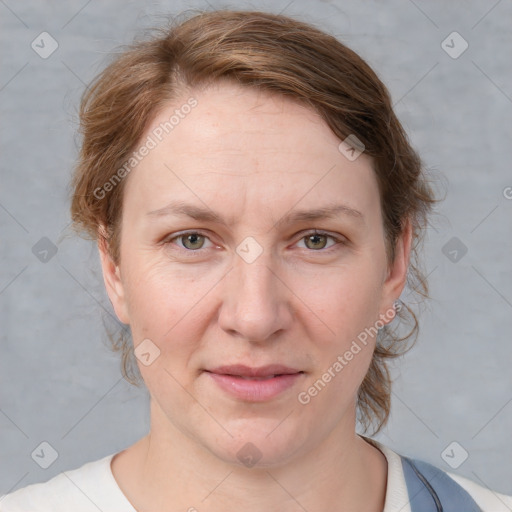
point(59, 381)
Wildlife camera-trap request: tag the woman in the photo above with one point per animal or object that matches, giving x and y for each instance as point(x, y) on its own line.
point(258, 209)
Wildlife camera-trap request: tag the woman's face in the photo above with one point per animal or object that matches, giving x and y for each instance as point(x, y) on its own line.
point(220, 267)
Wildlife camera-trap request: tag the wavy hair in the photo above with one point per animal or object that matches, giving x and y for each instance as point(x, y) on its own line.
point(283, 56)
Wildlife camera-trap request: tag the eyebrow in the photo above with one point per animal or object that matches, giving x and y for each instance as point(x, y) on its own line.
point(204, 214)
point(327, 212)
point(180, 208)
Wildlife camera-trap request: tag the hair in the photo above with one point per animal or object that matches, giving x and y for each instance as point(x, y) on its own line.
point(280, 55)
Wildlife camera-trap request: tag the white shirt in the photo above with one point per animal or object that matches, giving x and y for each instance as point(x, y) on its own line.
point(93, 487)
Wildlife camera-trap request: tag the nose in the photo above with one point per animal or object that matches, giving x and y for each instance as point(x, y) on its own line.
point(257, 303)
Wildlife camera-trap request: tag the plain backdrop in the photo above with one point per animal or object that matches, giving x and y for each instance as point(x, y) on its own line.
point(60, 384)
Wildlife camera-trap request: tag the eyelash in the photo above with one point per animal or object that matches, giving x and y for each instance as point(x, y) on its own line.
point(338, 241)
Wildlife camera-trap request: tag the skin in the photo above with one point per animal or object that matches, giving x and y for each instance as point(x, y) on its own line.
point(252, 158)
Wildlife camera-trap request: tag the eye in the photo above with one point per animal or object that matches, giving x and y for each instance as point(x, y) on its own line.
point(194, 241)
point(317, 240)
point(191, 241)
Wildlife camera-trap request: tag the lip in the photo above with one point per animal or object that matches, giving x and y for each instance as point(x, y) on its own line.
point(255, 384)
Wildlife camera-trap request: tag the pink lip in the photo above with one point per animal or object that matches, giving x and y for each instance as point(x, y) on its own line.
point(277, 378)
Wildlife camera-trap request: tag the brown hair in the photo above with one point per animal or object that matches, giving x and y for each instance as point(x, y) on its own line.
point(274, 53)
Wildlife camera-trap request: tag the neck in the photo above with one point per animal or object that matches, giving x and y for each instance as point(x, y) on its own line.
point(167, 470)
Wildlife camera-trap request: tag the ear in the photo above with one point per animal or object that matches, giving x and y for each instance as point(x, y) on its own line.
point(112, 279)
point(397, 271)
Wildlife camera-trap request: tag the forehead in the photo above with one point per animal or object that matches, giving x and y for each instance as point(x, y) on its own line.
point(246, 143)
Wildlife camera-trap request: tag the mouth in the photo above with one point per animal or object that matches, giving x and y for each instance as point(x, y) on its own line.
point(255, 384)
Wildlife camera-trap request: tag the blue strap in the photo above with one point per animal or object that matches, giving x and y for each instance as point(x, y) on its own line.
point(431, 490)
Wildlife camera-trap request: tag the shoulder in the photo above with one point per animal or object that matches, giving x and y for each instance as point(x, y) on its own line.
point(416, 486)
point(487, 499)
point(88, 488)
point(429, 484)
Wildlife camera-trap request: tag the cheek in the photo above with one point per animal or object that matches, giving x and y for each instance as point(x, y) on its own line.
point(341, 300)
point(168, 304)
point(165, 308)
point(343, 306)
point(347, 305)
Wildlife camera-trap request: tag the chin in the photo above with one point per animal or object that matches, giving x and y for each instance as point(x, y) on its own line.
point(259, 443)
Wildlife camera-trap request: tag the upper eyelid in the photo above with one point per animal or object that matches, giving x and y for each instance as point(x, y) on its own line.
point(185, 233)
point(337, 238)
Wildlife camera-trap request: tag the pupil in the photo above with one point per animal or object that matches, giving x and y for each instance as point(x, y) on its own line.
point(316, 239)
point(193, 239)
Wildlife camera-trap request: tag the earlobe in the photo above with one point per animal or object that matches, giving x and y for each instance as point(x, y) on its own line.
point(113, 281)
